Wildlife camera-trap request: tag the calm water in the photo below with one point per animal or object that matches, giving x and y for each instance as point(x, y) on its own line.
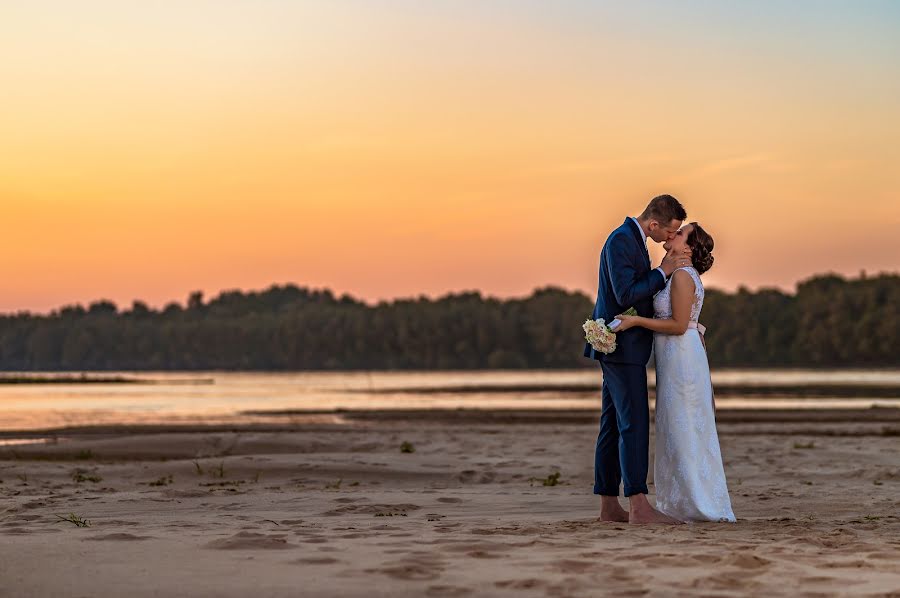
point(227, 397)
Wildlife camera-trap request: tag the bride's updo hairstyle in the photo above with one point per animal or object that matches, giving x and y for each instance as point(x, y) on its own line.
point(701, 245)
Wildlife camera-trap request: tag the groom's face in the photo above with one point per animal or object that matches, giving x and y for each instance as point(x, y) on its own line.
point(663, 232)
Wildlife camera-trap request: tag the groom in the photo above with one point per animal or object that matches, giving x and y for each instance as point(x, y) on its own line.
point(626, 280)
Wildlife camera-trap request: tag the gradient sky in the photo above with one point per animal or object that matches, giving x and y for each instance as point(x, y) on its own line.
point(385, 149)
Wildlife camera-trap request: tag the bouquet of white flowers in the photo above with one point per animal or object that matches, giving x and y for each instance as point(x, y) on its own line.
point(601, 336)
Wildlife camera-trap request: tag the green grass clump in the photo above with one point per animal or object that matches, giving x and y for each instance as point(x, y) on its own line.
point(407, 447)
point(75, 520)
point(552, 479)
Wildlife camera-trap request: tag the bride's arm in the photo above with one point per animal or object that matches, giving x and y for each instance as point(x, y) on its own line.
point(682, 296)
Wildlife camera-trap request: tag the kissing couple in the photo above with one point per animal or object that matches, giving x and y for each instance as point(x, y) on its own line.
point(688, 472)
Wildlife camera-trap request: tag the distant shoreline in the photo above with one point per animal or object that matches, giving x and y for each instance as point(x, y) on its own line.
point(85, 379)
point(875, 391)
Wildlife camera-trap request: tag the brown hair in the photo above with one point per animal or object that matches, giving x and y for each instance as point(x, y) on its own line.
point(701, 244)
point(664, 209)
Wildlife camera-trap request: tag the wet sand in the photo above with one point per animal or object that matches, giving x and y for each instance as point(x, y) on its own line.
point(330, 505)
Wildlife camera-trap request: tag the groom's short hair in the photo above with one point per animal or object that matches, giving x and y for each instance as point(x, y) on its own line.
point(664, 209)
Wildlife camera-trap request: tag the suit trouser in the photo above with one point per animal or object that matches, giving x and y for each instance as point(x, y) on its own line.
point(622, 445)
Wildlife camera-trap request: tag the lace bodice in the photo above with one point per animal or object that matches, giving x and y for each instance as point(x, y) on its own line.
point(662, 303)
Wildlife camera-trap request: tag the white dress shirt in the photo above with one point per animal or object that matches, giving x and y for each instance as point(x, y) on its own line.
point(644, 236)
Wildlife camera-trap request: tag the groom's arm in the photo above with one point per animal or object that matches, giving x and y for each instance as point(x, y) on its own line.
point(628, 283)
point(682, 300)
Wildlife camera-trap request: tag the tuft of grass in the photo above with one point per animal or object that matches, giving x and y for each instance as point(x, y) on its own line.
point(407, 447)
point(219, 472)
point(390, 514)
point(872, 517)
point(84, 454)
point(256, 477)
point(199, 469)
point(355, 484)
point(75, 520)
point(805, 445)
point(335, 486)
point(878, 483)
point(552, 479)
point(23, 477)
point(82, 475)
point(163, 481)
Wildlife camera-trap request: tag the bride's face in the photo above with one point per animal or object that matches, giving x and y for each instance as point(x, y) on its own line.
point(679, 242)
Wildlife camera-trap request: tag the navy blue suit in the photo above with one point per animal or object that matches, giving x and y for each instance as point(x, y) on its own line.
point(626, 280)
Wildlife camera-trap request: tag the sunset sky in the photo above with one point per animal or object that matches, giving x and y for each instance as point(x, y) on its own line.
point(394, 148)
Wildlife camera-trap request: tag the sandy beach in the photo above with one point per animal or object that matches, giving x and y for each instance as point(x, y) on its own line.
point(331, 505)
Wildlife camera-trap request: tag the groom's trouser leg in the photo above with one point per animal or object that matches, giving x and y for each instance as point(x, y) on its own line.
point(626, 387)
point(607, 472)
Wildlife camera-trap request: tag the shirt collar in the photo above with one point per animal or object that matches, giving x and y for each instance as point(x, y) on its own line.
point(640, 228)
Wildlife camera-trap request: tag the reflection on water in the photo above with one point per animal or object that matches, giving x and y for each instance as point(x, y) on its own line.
point(176, 398)
point(21, 441)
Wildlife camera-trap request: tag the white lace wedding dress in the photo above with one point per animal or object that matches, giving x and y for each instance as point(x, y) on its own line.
point(688, 473)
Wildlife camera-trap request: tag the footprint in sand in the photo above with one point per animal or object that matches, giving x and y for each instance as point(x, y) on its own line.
point(251, 541)
point(746, 561)
point(478, 550)
point(184, 493)
point(315, 540)
point(356, 535)
point(482, 554)
point(470, 475)
point(883, 555)
point(447, 591)
point(378, 510)
point(412, 569)
point(520, 584)
point(121, 536)
point(318, 560)
point(573, 566)
point(854, 564)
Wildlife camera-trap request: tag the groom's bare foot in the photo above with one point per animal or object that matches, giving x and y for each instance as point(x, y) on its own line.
point(611, 510)
point(641, 512)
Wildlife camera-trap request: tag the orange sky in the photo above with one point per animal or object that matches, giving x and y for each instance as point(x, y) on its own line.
point(148, 151)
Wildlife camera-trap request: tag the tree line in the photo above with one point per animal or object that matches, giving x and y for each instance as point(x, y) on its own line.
point(830, 321)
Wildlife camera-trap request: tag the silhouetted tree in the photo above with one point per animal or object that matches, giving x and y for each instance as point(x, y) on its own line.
point(829, 322)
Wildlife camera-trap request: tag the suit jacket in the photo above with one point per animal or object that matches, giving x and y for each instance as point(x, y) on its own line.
point(626, 280)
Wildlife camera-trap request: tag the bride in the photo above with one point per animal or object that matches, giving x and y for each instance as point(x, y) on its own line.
point(688, 473)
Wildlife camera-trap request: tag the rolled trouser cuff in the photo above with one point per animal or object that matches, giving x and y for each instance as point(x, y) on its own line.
point(632, 490)
point(606, 491)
